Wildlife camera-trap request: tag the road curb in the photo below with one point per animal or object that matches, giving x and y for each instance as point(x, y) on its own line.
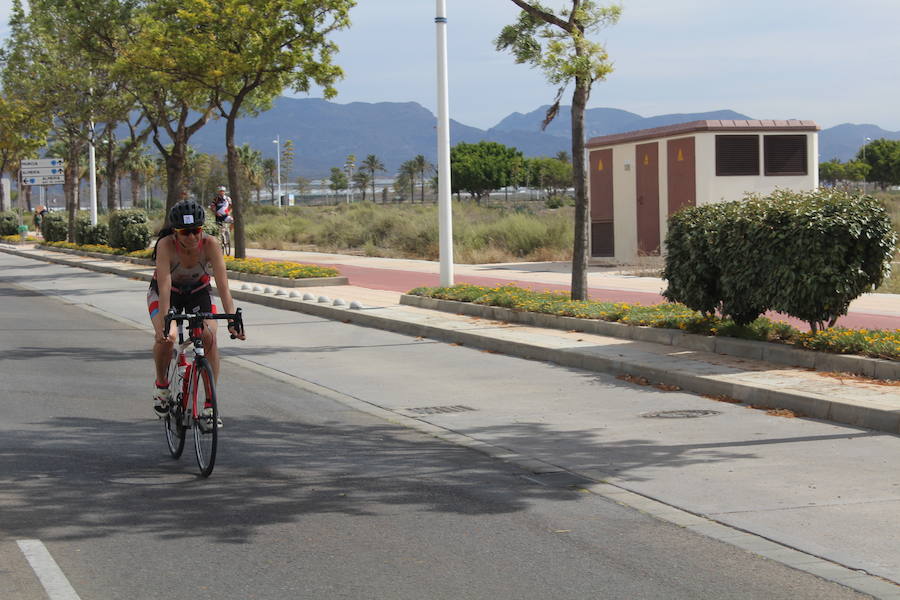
point(874, 368)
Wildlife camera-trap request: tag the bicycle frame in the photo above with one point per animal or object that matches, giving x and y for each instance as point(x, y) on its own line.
point(189, 380)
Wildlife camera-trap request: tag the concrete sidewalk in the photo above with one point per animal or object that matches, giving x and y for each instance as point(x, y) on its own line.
point(794, 490)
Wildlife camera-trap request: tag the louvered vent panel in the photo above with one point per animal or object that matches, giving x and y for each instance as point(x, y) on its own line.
point(737, 155)
point(785, 154)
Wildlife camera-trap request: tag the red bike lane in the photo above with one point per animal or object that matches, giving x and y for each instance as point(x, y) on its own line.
point(396, 280)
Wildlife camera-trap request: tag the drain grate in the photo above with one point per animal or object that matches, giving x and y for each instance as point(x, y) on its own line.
point(437, 410)
point(680, 414)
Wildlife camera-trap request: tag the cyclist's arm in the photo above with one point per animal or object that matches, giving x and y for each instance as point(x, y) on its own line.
point(217, 259)
point(164, 281)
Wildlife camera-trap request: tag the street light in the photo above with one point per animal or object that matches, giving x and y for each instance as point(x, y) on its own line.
point(445, 213)
point(865, 143)
point(277, 142)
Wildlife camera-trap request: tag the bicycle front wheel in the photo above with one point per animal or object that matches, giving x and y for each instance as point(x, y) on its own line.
point(205, 425)
point(172, 423)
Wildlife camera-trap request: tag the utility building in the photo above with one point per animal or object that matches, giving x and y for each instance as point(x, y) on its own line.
point(637, 179)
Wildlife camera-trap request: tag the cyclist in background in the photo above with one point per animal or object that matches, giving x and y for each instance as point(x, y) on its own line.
point(221, 206)
point(184, 257)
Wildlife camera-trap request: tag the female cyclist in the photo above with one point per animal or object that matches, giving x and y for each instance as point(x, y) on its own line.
point(184, 258)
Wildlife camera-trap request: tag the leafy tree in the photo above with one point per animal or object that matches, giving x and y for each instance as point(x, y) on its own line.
point(373, 165)
point(550, 173)
point(557, 44)
point(883, 158)
point(480, 168)
point(243, 53)
point(23, 131)
point(338, 179)
point(856, 170)
point(831, 172)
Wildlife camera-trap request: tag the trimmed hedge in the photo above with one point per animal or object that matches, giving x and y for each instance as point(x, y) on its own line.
point(9, 223)
point(806, 254)
point(129, 229)
point(55, 227)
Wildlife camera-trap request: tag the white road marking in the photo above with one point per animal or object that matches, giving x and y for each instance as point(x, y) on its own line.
point(47, 571)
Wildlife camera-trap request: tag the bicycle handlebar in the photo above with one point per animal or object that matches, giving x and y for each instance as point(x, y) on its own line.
point(235, 319)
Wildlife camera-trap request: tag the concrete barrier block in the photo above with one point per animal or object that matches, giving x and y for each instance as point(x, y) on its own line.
point(845, 364)
point(785, 355)
point(741, 348)
point(887, 369)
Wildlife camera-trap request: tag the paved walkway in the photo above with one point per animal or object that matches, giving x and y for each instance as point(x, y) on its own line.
point(869, 311)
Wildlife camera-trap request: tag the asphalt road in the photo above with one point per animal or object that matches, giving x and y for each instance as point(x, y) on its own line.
point(309, 499)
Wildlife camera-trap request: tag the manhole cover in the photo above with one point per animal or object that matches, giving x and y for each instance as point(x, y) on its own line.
point(436, 410)
point(680, 414)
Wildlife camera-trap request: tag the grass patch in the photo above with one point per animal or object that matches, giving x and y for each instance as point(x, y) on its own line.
point(873, 343)
point(480, 235)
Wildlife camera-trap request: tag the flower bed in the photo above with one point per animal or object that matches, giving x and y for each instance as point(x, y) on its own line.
point(874, 343)
point(254, 266)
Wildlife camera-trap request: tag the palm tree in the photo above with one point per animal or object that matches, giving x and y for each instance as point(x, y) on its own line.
point(362, 179)
point(140, 167)
point(252, 166)
point(408, 172)
point(269, 166)
point(372, 164)
point(421, 165)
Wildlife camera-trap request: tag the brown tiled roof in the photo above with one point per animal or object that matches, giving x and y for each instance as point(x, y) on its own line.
point(708, 125)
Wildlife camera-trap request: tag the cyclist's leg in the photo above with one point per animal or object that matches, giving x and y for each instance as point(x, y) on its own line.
point(162, 351)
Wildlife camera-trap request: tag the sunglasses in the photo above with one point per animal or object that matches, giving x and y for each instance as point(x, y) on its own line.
point(189, 231)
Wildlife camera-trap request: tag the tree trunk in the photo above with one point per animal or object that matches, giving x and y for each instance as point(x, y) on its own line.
point(69, 188)
point(233, 166)
point(112, 175)
point(582, 221)
point(135, 181)
point(175, 171)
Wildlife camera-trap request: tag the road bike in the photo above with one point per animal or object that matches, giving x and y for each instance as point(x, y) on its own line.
point(193, 405)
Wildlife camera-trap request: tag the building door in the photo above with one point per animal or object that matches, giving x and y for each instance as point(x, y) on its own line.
point(682, 184)
point(602, 241)
point(647, 173)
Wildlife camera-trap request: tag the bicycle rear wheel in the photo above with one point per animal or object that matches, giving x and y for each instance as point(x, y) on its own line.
point(206, 430)
point(225, 237)
point(172, 423)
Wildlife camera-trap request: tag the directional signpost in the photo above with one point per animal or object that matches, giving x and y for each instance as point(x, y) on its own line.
point(43, 171)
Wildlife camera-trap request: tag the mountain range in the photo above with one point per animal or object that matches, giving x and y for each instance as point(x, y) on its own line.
point(324, 132)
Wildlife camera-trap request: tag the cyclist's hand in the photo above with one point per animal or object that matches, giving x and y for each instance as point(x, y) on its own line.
point(161, 338)
point(235, 334)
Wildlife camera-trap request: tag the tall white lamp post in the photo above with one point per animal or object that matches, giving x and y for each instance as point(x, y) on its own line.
point(277, 142)
point(443, 150)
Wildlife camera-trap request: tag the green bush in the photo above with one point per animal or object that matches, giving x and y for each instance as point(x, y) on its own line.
point(9, 223)
point(85, 233)
point(135, 236)
point(119, 221)
point(55, 227)
point(806, 254)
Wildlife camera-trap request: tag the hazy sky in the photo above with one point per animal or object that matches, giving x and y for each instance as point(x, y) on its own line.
point(832, 61)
